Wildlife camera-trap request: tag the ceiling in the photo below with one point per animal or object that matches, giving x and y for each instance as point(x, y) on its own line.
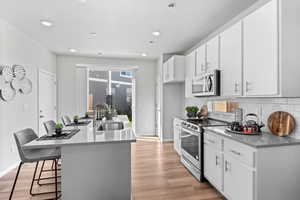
point(123, 27)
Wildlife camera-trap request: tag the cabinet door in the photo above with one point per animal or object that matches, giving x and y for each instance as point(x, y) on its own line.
point(261, 51)
point(165, 72)
point(213, 166)
point(231, 60)
point(171, 70)
point(177, 139)
point(238, 180)
point(212, 54)
point(190, 67)
point(201, 60)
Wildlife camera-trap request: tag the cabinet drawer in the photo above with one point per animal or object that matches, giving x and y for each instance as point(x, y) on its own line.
point(212, 139)
point(240, 152)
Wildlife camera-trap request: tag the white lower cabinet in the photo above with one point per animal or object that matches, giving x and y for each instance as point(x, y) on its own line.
point(238, 180)
point(213, 166)
point(177, 135)
point(228, 167)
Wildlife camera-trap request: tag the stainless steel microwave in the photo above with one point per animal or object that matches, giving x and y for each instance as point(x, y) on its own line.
point(207, 85)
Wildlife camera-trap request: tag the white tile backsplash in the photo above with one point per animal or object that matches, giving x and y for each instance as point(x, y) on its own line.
point(263, 107)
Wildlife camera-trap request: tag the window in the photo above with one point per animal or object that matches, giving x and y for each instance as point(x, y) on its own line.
point(115, 83)
point(126, 74)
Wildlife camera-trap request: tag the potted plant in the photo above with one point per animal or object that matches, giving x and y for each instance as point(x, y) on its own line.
point(58, 128)
point(192, 111)
point(75, 119)
point(110, 112)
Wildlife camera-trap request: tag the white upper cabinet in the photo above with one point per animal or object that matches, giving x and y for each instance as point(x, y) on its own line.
point(261, 51)
point(190, 68)
point(212, 54)
point(200, 60)
point(173, 69)
point(231, 61)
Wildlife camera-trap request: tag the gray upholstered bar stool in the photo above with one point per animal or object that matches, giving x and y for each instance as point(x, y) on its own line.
point(49, 126)
point(34, 155)
point(66, 120)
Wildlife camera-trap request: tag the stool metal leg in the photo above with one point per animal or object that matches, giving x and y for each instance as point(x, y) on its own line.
point(47, 178)
point(56, 188)
point(15, 181)
point(41, 173)
point(33, 178)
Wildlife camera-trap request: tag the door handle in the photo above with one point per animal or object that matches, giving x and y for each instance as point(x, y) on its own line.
point(42, 116)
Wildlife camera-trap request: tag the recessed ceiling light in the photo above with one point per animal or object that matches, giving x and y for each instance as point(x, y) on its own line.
point(172, 5)
point(82, 1)
point(46, 23)
point(144, 54)
point(73, 50)
point(156, 33)
point(93, 34)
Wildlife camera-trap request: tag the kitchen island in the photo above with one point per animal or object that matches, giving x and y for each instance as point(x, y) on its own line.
point(95, 164)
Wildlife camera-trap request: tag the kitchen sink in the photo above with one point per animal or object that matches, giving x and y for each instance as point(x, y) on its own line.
point(110, 125)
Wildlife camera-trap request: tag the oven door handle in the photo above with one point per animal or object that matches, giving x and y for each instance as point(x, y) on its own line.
point(186, 136)
point(190, 132)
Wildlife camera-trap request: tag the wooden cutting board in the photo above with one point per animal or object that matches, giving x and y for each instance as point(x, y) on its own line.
point(281, 123)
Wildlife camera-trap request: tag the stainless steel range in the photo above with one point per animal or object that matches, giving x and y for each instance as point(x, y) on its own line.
point(192, 144)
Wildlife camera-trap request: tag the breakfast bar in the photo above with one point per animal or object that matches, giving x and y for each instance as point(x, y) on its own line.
point(95, 164)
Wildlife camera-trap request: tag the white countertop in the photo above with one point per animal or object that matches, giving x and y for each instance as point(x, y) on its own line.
point(87, 135)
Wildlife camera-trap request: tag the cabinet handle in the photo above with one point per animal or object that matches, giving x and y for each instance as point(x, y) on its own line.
point(247, 86)
point(226, 166)
point(217, 160)
point(236, 87)
point(235, 152)
point(211, 141)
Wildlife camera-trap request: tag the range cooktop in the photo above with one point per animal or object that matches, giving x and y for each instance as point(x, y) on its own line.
point(207, 122)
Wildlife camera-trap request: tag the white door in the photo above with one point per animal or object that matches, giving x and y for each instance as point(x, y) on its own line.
point(238, 180)
point(261, 51)
point(213, 166)
point(212, 54)
point(47, 98)
point(231, 60)
point(190, 66)
point(201, 60)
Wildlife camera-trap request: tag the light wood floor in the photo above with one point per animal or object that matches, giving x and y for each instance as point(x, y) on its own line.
point(157, 174)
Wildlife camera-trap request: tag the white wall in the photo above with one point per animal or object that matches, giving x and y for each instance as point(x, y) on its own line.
point(18, 48)
point(145, 87)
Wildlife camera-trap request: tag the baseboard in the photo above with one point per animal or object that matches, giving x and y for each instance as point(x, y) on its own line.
point(4, 172)
point(145, 134)
point(167, 140)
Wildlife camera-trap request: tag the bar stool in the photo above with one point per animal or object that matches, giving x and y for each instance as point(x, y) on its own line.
point(66, 120)
point(50, 128)
point(34, 155)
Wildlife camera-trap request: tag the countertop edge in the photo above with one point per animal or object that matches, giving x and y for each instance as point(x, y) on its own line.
point(79, 143)
point(220, 132)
